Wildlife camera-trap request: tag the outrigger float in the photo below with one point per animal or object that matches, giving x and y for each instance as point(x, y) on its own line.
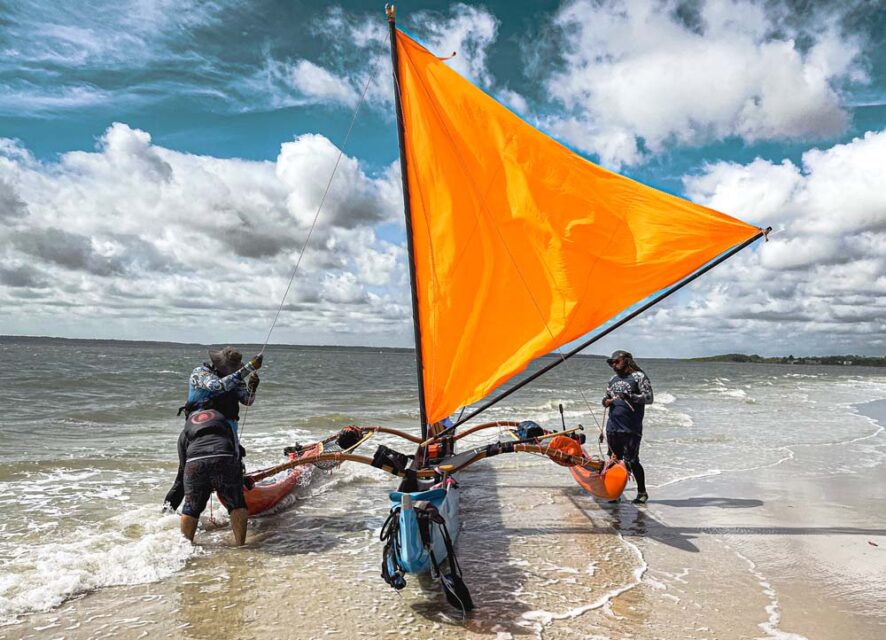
point(517, 247)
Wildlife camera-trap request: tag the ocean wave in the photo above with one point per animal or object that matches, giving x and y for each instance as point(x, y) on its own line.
point(135, 547)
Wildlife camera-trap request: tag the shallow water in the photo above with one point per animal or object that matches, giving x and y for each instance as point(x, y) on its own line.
point(89, 451)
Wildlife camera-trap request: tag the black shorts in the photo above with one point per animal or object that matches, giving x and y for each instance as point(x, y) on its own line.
point(222, 475)
point(625, 446)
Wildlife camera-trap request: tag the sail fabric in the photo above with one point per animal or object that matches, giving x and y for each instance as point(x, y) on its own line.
point(520, 245)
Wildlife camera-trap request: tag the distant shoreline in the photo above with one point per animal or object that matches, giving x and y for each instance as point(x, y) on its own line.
point(736, 358)
point(837, 360)
point(143, 343)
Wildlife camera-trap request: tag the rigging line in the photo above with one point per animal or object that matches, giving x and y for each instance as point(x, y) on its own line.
point(513, 260)
point(304, 247)
point(317, 215)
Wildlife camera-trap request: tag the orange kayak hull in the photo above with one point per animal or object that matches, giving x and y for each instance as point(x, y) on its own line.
point(266, 495)
point(607, 484)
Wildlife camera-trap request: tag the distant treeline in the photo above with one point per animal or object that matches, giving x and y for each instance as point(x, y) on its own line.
point(864, 361)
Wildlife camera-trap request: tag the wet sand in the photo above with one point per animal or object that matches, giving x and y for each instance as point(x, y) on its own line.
point(771, 552)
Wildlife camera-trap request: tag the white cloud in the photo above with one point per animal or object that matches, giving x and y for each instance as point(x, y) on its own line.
point(318, 84)
point(305, 167)
point(639, 72)
point(467, 32)
point(35, 100)
point(134, 234)
point(818, 285)
point(60, 56)
point(358, 58)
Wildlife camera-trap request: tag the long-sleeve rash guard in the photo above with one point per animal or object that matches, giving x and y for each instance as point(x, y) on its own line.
point(205, 383)
point(631, 394)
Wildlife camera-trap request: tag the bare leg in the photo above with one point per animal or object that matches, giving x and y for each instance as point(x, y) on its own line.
point(238, 525)
point(188, 527)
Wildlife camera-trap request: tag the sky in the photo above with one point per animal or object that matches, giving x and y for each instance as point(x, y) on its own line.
point(161, 161)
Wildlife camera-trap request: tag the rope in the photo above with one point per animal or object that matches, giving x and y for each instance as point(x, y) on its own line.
point(310, 232)
point(600, 439)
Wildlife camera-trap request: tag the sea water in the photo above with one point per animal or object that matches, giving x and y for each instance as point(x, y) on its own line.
point(88, 441)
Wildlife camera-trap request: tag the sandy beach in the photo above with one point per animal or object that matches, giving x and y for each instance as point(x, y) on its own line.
point(706, 558)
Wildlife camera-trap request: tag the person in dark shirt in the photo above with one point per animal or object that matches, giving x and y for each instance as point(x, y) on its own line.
point(209, 451)
point(628, 393)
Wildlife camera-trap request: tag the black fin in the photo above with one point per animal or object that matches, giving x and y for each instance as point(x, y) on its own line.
point(456, 591)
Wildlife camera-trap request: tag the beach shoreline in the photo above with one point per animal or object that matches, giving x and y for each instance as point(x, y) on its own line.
point(765, 516)
point(704, 559)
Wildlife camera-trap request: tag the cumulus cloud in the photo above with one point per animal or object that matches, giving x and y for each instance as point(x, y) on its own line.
point(134, 232)
point(636, 77)
point(305, 166)
point(818, 285)
point(11, 205)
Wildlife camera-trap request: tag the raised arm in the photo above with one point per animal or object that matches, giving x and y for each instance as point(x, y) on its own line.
point(204, 378)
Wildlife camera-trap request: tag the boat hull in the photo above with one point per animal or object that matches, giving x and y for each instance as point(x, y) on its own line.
point(264, 496)
point(607, 484)
point(413, 558)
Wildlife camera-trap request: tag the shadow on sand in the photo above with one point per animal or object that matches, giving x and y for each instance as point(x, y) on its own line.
point(710, 501)
point(631, 521)
point(484, 555)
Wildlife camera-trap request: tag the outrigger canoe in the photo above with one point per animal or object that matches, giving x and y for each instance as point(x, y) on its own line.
point(517, 247)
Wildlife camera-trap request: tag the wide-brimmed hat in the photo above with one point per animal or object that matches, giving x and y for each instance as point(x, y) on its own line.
point(616, 355)
point(226, 361)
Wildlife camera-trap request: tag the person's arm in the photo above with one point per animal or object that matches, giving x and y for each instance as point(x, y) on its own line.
point(203, 378)
point(645, 396)
point(608, 398)
point(177, 492)
point(247, 389)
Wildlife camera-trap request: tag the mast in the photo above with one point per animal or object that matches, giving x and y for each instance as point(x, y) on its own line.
point(391, 13)
point(563, 358)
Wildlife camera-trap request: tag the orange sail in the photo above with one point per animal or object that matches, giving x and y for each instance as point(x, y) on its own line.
point(520, 245)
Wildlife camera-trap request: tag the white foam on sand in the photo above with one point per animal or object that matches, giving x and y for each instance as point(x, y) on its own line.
point(544, 618)
point(770, 627)
point(134, 547)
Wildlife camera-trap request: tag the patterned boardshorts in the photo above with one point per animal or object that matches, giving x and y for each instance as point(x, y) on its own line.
point(222, 475)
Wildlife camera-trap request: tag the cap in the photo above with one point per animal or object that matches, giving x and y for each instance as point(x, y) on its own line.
point(616, 355)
